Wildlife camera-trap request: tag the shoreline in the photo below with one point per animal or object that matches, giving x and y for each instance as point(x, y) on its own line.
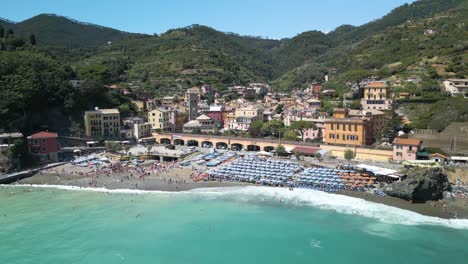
point(108, 183)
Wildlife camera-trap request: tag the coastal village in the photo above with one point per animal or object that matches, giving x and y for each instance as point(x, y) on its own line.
point(262, 137)
point(234, 131)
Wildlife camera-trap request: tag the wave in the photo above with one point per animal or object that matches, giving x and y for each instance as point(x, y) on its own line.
point(335, 202)
point(302, 197)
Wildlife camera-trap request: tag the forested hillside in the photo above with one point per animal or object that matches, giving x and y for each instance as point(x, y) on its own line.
point(425, 40)
point(53, 30)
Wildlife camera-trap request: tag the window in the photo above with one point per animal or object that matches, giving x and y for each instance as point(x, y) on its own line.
point(343, 137)
point(399, 154)
point(332, 126)
point(337, 126)
point(344, 127)
point(43, 148)
point(355, 128)
point(411, 148)
point(43, 140)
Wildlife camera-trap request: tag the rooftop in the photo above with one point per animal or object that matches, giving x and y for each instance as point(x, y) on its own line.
point(376, 85)
point(43, 135)
point(305, 150)
point(407, 141)
point(11, 135)
point(105, 111)
point(203, 117)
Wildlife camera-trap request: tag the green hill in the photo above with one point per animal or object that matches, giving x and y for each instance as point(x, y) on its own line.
point(53, 30)
point(397, 45)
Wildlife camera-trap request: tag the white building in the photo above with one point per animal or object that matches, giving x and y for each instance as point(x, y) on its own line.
point(456, 86)
point(141, 130)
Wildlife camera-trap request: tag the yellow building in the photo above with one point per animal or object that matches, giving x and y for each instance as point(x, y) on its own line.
point(377, 118)
point(376, 96)
point(159, 119)
point(102, 123)
point(249, 111)
point(345, 130)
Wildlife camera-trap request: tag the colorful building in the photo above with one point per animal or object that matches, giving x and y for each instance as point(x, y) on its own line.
point(345, 130)
point(45, 145)
point(406, 148)
point(203, 124)
point(376, 96)
point(102, 123)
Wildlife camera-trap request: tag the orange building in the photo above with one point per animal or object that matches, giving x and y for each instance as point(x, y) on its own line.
point(345, 130)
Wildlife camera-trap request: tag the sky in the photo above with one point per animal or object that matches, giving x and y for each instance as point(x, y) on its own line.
point(265, 18)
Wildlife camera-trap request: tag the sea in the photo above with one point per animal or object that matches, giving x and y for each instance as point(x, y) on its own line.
point(58, 224)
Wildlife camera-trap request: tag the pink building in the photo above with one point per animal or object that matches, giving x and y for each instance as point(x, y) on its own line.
point(312, 134)
point(45, 145)
point(406, 148)
point(216, 113)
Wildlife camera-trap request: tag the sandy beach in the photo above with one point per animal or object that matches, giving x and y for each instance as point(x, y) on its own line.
point(173, 177)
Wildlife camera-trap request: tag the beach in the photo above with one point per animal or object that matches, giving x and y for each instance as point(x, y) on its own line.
point(174, 177)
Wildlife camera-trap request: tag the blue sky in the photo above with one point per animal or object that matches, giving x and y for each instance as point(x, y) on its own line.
point(266, 18)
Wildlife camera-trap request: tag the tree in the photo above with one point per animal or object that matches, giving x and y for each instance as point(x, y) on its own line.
point(392, 123)
point(32, 39)
point(149, 148)
point(349, 154)
point(113, 146)
point(318, 156)
point(2, 31)
point(280, 150)
point(356, 76)
point(297, 155)
point(279, 109)
point(273, 127)
point(127, 148)
point(290, 135)
point(170, 146)
point(255, 128)
point(301, 126)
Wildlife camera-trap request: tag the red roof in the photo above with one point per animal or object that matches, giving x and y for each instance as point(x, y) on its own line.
point(407, 141)
point(305, 150)
point(44, 135)
point(376, 85)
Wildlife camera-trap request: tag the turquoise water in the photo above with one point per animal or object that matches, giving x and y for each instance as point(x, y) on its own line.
point(236, 225)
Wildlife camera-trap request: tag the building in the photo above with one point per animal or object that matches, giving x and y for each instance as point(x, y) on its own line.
point(242, 123)
point(228, 118)
point(141, 130)
point(169, 100)
point(377, 118)
point(102, 123)
point(216, 112)
point(202, 124)
point(437, 157)
point(45, 145)
point(376, 96)
point(126, 132)
point(132, 120)
point(159, 119)
point(345, 130)
point(7, 140)
point(151, 104)
point(406, 148)
point(250, 111)
point(456, 86)
point(192, 97)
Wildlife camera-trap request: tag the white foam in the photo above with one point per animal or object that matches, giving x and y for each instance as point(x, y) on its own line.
point(340, 203)
point(322, 200)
